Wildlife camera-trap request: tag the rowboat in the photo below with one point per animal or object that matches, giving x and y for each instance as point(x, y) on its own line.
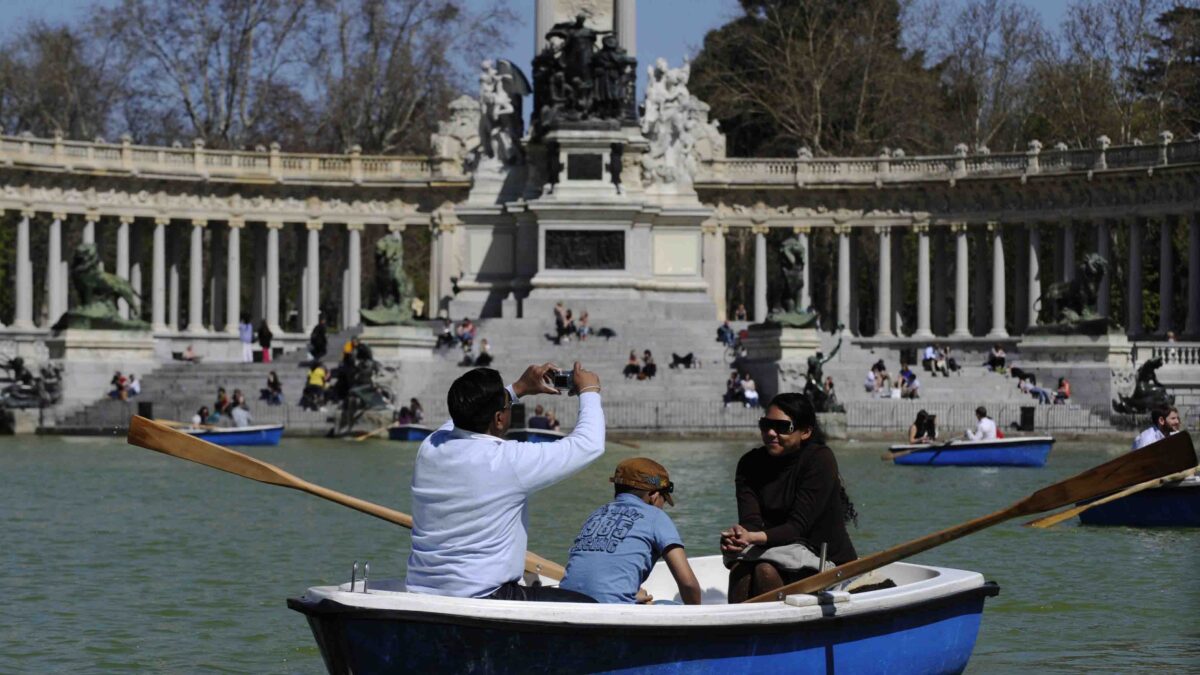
point(409, 432)
point(1171, 505)
point(530, 435)
point(1023, 451)
point(927, 623)
point(263, 434)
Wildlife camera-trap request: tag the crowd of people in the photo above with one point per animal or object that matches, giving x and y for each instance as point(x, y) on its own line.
point(645, 369)
point(740, 388)
point(566, 326)
point(462, 484)
point(124, 387)
point(413, 413)
point(225, 408)
point(904, 384)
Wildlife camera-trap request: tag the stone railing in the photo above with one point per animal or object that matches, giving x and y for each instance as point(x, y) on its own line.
point(1172, 353)
point(200, 163)
point(895, 168)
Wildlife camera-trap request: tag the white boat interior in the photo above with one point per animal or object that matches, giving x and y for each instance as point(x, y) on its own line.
point(914, 584)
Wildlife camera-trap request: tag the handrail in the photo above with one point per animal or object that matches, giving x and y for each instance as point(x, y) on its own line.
point(200, 163)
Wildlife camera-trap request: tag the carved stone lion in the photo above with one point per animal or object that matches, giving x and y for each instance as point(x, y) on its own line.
point(393, 289)
point(98, 293)
point(1074, 301)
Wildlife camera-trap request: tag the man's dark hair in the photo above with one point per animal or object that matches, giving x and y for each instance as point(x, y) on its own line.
point(474, 398)
point(981, 411)
point(1161, 411)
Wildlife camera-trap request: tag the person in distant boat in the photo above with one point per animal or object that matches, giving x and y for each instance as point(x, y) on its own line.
point(918, 430)
point(790, 500)
point(418, 413)
point(1164, 421)
point(241, 415)
point(552, 419)
point(201, 416)
point(985, 427)
point(538, 420)
point(404, 416)
point(621, 541)
point(471, 488)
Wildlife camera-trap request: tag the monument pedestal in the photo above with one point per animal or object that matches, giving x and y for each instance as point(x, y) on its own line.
point(1098, 366)
point(777, 357)
point(90, 357)
point(400, 343)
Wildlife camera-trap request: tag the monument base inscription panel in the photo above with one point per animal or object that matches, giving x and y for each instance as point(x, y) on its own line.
point(583, 250)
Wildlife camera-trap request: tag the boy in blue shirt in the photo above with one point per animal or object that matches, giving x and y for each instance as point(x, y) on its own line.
point(622, 540)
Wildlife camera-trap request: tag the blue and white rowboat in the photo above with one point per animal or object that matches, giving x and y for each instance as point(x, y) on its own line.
point(530, 435)
point(1171, 505)
point(409, 432)
point(264, 434)
point(928, 623)
point(1023, 451)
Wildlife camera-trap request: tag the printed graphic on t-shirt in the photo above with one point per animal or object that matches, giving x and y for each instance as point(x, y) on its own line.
point(607, 528)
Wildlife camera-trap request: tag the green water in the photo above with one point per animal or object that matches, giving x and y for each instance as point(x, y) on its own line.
point(119, 559)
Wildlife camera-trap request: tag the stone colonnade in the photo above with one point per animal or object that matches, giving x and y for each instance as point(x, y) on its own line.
point(168, 237)
point(1028, 289)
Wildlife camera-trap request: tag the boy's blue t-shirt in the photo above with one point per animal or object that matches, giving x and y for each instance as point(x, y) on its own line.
point(616, 548)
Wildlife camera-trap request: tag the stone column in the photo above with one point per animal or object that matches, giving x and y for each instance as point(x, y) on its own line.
point(89, 227)
point(273, 229)
point(883, 306)
point(625, 23)
point(196, 278)
point(1166, 274)
point(760, 272)
point(354, 301)
point(1034, 299)
point(1193, 307)
point(1104, 250)
point(158, 292)
point(843, 280)
point(173, 246)
point(713, 264)
point(233, 276)
point(313, 308)
point(1068, 251)
point(123, 223)
point(1133, 293)
point(136, 253)
point(806, 292)
point(54, 271)
point(998, 283)
point(23, 317)
point(962, 284)
point(924, 329)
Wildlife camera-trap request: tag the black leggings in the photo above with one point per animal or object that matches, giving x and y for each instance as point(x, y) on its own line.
point(514, 591)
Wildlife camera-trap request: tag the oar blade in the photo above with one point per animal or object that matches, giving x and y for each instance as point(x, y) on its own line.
point(1171, 454)
point(162, 438)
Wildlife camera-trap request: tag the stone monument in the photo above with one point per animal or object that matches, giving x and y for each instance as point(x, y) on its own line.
point(389, 326)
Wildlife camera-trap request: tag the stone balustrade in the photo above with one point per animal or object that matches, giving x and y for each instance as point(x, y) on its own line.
point(236, 166)
point(1172, 353)
point(899, 169)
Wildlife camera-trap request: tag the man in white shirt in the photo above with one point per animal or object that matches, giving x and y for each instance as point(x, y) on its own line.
point(1164, 421)
point(985, 428)
point(470, 487)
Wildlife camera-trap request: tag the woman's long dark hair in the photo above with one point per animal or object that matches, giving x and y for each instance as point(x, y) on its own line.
point(800, 410)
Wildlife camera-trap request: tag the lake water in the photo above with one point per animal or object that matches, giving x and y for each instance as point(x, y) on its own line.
point(120, 559)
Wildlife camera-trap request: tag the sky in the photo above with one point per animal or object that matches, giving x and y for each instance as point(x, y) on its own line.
point(667, 28)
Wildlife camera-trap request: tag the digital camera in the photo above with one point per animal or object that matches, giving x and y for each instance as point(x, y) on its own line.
point(564, 380)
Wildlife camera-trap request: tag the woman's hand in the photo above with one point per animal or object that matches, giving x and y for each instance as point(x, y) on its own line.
point(737, 538)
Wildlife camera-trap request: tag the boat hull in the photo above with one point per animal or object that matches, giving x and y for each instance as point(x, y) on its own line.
point(409, 432)
point(927, 626)
point(260, 435)
point(1001, 452)
point(1168, 506)
point(534, 435)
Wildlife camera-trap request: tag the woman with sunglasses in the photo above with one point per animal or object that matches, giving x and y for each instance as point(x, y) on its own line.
point(791, 500)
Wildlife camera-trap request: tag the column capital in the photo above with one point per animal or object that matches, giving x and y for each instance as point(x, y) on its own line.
point(91, 215)
point(28, 213)
point(882, 229)
point(162, 220)
point(236, 222)
point(125, 219)
point(841, 228)
point(994, 226)
point(313, 225)
point(274, 225)
point(356, 226)
point(59, 215)
point(802, 229)
point(396, 226)
point(710, 227)
point(759, 228)
point(958, 228)
point(199, 222)
point(921, 227)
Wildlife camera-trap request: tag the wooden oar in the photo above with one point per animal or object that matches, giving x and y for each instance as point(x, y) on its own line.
point(1056, 518)
point(369, 434)
point(161, 438)
point(1173, 453)
point(888, 456)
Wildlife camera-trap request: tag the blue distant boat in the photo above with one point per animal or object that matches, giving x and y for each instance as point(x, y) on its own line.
point(265, 434)
point(530, 435)
point(1024, 451)
point(409, 432)
point(1172, 505)
point(927, 623)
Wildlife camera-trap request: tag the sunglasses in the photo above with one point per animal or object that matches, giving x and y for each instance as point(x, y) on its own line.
point(780, 427)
